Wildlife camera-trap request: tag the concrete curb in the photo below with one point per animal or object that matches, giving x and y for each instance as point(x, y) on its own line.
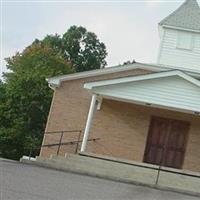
point(56, 164)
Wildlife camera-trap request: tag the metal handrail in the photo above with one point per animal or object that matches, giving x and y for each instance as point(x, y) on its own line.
point(65, 131)
point(156, 168)
point(62, 132)
point(60, 143)
point(66, 143)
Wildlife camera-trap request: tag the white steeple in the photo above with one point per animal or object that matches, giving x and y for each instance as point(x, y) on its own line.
point(180, 37)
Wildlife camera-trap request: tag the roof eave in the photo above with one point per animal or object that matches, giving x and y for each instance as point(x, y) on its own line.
point(169, 73)
point(57, 80)
point(179, 28)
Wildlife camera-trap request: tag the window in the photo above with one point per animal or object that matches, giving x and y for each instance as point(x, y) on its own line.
point(184, 41)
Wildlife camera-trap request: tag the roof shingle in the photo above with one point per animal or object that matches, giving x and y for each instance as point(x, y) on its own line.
point(187, 16)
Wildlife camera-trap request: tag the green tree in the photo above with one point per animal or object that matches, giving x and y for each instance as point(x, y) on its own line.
point(82, 48)
point(25, 96)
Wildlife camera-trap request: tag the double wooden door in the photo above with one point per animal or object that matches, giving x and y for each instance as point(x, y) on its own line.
point(166, 142)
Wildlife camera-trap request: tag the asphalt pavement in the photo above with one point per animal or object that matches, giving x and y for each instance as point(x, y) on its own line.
point(27, 182)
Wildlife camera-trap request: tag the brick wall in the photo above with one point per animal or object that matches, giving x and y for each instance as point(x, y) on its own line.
point(69, 109)
point(121, 127)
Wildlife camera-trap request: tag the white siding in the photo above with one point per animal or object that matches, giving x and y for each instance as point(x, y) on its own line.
point(170, 55)
point(172, 92)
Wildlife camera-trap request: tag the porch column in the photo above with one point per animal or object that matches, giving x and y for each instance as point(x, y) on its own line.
point(89, 122)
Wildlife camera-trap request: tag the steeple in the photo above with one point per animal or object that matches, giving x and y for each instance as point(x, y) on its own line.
point(180, 37)
point(187, 16)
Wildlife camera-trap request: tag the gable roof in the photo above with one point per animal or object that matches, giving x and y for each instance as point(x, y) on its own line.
point(187, 16)
point(91, 85)
point(57, 80)
point(172, 90)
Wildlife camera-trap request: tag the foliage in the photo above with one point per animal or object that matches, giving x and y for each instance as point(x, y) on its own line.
point(82, 48)
point(25, 96)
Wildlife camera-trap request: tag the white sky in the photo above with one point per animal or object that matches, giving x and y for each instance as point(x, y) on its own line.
point(128, 28)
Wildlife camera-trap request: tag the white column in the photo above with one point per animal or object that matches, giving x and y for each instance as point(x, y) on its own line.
point(89, 122)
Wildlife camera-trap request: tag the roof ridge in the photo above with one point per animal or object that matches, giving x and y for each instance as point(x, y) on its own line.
point(180, 7)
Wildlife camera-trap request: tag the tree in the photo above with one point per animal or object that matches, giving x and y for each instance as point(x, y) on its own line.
point(25, 96)
point(82, 48)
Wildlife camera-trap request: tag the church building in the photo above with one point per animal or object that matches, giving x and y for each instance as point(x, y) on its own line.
point(147, 113)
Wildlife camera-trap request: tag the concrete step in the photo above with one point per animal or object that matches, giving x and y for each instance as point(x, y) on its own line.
point(108, 169)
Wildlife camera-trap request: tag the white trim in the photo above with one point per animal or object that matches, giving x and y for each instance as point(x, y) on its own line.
point(192, 72)
point(180, 41)
point(161, 43)
point(179, 28)
point(56, 81)
point(91, 85)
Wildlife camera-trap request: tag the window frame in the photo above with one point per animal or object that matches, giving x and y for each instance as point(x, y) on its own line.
point(181, 36)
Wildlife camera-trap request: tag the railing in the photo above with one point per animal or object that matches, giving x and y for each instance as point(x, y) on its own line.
point(61, 143)
point(61, 138)
point(158, 168)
